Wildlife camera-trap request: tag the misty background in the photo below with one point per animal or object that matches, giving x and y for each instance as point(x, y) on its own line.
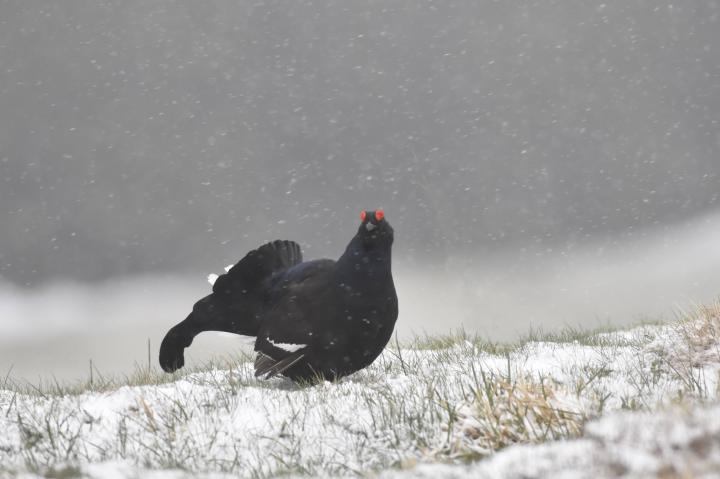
point(542, 163)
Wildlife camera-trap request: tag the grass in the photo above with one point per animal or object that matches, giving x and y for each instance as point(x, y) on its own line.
point(599, 336)
point(505, 411)
point(98, 382)
point(450, 398)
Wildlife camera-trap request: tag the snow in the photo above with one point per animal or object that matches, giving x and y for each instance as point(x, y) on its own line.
point(543, 409)
point(673, 443)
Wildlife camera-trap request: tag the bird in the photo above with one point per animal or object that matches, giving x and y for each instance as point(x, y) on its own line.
point(316, 320)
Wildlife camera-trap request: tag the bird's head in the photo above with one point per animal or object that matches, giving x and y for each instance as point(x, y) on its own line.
point(374, 229)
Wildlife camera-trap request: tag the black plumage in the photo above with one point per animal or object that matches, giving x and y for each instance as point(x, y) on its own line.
point(314, 319)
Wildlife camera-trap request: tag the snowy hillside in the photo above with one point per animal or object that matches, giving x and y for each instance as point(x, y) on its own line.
point(641, 402)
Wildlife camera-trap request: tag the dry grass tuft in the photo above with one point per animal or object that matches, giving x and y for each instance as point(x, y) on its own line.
point(504, 411)
point(696, 344)
point(701, 333)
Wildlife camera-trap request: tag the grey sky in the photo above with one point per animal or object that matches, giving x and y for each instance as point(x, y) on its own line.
point(162, 136)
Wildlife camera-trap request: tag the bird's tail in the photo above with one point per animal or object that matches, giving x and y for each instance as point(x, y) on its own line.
point(209, 314)
point(180, 336)
point(234, 303)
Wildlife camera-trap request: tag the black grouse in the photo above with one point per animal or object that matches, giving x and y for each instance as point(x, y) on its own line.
point(314, 319)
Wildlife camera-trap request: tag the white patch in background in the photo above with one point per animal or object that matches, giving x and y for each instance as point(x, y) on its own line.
point(590, 285)
point(54, 331)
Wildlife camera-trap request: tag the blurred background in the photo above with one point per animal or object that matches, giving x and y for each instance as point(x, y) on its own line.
point(543, 163)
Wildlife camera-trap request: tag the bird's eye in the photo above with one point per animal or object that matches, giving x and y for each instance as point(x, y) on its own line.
point(363, 215)
point(379, 215)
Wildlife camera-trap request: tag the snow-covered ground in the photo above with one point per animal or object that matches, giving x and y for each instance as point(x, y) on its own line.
point(636, 403)
point(672, 443)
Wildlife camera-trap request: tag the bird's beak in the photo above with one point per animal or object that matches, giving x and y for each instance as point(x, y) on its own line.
point(369, 226)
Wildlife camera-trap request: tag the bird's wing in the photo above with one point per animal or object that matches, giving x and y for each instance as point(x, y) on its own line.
point(251, 272)
point(290, 329)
